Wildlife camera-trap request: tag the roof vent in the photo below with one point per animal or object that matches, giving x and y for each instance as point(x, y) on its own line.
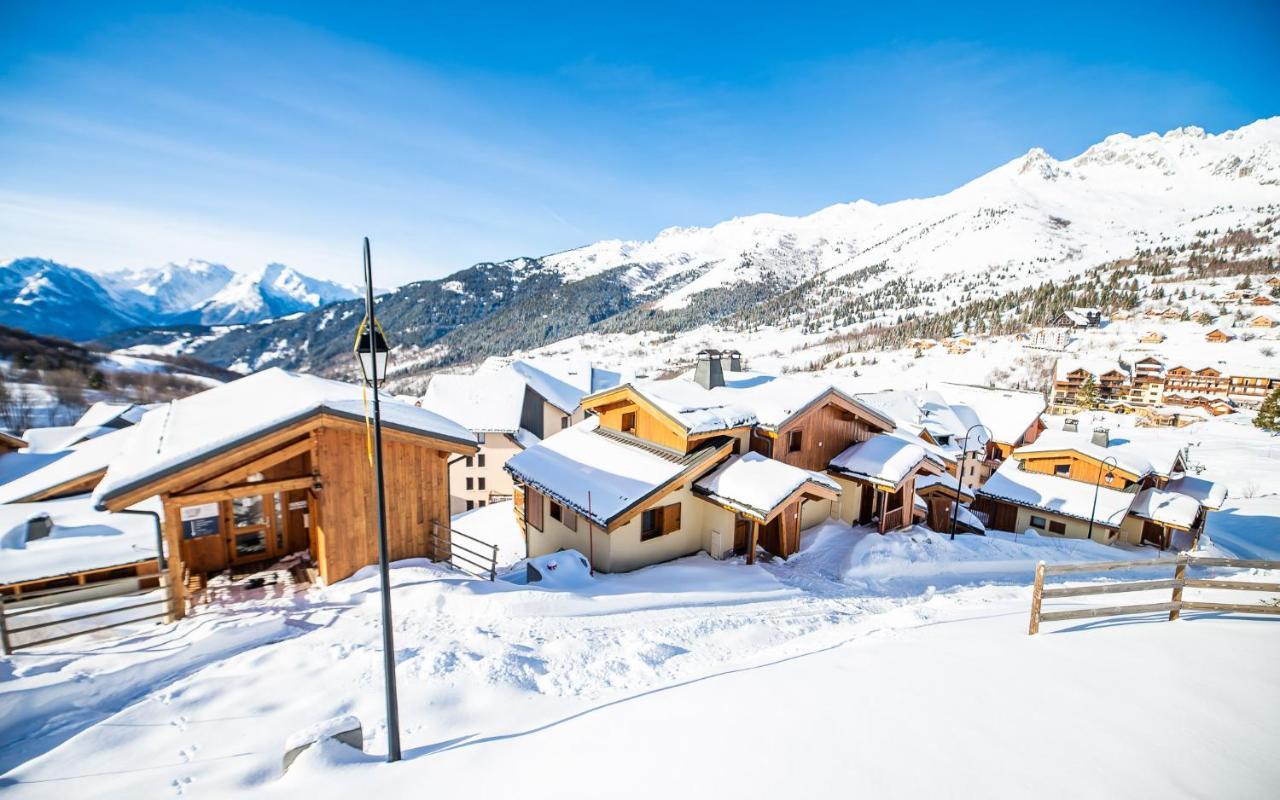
point(1071, 425)
point(39, 526)
point(1101, 437)
point(709, 373)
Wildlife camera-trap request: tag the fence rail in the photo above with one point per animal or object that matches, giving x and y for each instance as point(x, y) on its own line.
point(1177, 584)
point(54, 600)
point(481, 558)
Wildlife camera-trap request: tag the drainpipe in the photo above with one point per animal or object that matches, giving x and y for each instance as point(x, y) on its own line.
point(160, 559)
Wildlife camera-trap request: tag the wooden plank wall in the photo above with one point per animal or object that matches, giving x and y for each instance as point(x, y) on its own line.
point(1082, 469)
point(827, 431)
point(648, 426)
point(417, 494)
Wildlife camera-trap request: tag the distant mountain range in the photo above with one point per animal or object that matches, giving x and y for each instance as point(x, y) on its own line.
point(46, 297)
point(1032, 221)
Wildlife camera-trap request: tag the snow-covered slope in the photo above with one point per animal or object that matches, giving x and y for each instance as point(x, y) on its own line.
point(46, 297)
point(1031, 218)
point(171, 289)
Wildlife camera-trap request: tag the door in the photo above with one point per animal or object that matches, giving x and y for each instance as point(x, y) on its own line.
point(252, 532)
point(741, 534)
point(1153, 534)
point(868, 496)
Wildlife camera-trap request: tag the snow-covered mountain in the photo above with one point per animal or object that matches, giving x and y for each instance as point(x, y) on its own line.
point(47, 297)
point(1031, 218)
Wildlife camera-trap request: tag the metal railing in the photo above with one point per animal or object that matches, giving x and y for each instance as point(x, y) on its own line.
point(1176, 604)
point(480, 559)
point(54, 600)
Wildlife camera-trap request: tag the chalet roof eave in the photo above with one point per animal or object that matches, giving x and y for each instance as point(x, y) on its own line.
point(863, 408)
point(132, 487)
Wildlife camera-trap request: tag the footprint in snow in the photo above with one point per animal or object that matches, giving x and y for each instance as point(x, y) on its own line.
point(180, 785)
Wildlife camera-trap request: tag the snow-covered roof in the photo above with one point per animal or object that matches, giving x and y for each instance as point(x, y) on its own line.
point(1209, 494)
point(56, 469)
point(1166, 507)
point(883, 459)
point(1095, 365)
point(491, 399)
point(599, 476)
point(1063, 496)
point(104, 413)
point(1139, 455)
point(757, 485)
point(483, 403)
point(946, 481)
point(747, 398)
point(197, 427)
point(1005, 413)
point(82, 539)
point(59, 438)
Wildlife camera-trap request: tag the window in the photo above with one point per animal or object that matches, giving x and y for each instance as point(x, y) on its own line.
point(973, 468)
point(659, 521)
point(564, 423)
point(471, 484)
point(1062, 469)
point(248, 511)
point(629, 422)
point(471, 504)
point(795, 441)
point(480, 460)
point(468, 461)
point(1037, 522)
point(555, 511)
point(1058, 527)
point(482, 504)
point(480, 484)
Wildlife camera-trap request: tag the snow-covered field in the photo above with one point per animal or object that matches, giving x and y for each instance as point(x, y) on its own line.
point(890, 666)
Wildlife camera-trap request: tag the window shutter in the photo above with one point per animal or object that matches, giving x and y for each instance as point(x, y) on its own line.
point(570, 519)
point(533, 507)
point(671, 518)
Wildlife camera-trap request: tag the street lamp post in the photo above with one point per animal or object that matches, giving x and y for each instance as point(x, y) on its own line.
point(1097, 483)
point(964, 455)
point(372, 353)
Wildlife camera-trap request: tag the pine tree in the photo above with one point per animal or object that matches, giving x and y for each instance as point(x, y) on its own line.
point(1087, 394)
point(1268, 417)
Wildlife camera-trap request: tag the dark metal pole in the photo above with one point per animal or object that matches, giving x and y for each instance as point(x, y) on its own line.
point(964, 455)
point(388, 641)
point(1096, 484)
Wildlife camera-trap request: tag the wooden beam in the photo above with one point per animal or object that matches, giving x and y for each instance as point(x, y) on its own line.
point(238, 474)
point(244, 490)
point(173, 543)
point(755, 536)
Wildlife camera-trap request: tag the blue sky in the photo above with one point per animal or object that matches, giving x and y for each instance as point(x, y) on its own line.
point(134, 134)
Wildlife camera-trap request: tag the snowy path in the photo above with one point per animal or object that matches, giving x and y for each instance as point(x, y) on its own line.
point(784, 677)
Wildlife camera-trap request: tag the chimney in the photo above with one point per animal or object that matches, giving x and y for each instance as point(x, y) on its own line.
point(709, 373)
point(732, 360)
point(1101, 437)
point(1071, 425)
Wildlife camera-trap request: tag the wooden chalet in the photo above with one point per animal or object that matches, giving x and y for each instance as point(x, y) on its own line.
point(274, 464)
point(1151, 337)
point(665, 468)
point(1218, 336)
point(1262, 300)
point(1262, 321)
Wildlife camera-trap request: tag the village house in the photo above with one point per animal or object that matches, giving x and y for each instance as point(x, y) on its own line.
point(723, 460)
point(999, 419)
point(1151, 337)
point(508, 405)
point(1218, 336)
point(1079, 318)
point(275, 464)
point(1262, 321)
point(1262, 300)
point(1077, 484)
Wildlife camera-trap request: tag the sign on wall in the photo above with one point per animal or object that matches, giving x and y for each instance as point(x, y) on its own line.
point(201, 520)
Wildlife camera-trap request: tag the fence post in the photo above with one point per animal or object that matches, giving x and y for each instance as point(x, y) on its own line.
point(1179, 577)
point(4, 631)
point(1037, 596)
point(493, 564)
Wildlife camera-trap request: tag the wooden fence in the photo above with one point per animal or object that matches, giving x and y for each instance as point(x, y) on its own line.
point(137, 604)
point(466, 553)
point(1176, 584)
